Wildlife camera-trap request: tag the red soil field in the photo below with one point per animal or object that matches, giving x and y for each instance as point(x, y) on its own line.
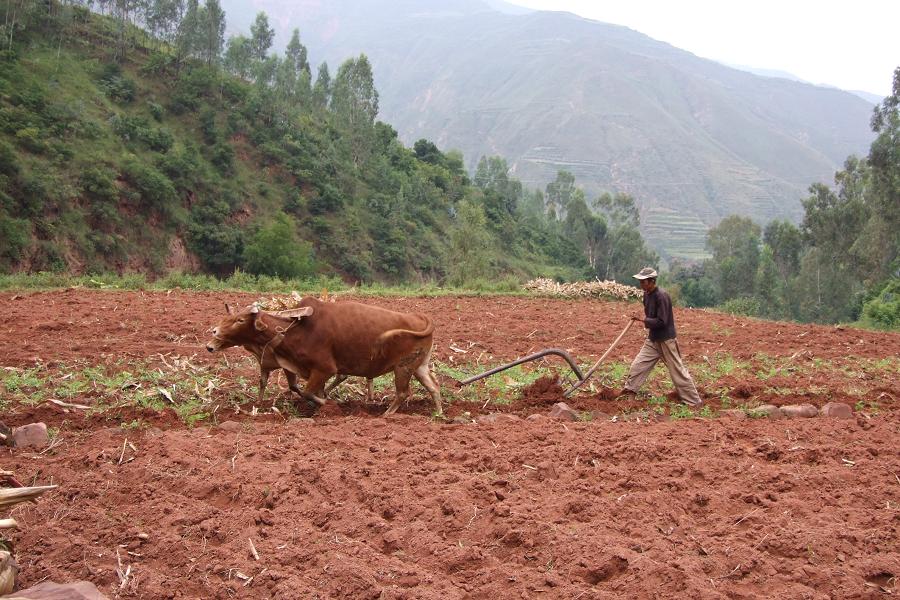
point(347, 504)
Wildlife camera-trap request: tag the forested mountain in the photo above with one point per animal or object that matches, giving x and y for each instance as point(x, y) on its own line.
point(690, 139)
point(137, 141)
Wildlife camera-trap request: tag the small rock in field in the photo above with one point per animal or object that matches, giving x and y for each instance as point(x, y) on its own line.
point(563, 411)
point(733, 413)
point(768, 410)
point(838, 410)
point(33, 434)
point(78, 590)
point(805, 411)
point(231, 426)
point(535, 417)
point(546, 470)
point(497, 418)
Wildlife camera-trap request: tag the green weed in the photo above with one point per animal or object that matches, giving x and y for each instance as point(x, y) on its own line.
point(681, 411)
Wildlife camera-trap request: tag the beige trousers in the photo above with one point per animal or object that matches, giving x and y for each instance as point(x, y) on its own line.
point(667, 351)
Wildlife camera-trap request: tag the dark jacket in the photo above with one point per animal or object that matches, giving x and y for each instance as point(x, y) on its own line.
point(658, 317)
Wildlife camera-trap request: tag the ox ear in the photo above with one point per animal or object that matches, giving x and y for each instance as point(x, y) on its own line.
point(258, 323)
point(228, 309)
point(297, 313)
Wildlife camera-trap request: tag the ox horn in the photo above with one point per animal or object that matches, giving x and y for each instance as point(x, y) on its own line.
point(228, 309)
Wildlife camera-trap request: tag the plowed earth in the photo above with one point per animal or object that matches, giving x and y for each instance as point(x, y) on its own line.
point(347, 504)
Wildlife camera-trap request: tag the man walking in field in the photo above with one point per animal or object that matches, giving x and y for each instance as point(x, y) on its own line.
point(660, 344)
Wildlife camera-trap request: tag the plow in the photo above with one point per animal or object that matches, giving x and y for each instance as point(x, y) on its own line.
point(573, 364)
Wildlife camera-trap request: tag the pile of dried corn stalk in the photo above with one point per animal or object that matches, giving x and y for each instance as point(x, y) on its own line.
point(607, 290)
point(278, 303)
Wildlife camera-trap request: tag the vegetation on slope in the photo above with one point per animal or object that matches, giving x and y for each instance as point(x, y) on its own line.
point(841, 264)
point(164, 149)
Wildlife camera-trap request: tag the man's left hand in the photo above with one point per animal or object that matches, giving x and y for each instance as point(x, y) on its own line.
point(637, 317)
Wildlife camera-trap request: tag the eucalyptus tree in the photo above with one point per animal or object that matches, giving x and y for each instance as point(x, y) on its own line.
point(623, 251)
point(188, 32)
point(735, 246)
point(354, 104)
point(211, 32)
point(261, 36)
point(321, 91)
point(238, 57)
point(558, 193)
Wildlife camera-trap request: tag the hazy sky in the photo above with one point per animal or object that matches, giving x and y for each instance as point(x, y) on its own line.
point(851, 45)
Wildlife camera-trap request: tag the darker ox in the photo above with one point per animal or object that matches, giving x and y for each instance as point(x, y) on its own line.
point(318, 340)
point(268, 363)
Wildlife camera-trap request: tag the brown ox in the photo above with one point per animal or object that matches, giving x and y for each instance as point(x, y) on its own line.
point(318, 340)
point(268, 363)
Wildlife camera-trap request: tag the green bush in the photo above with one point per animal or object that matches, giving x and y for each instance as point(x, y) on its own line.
point(743, 306)
point(182, 165)
point(137, 128)
point(99, 182)
point(208, 128)
point(156, 110)
point(31, 139)
point(36, 190)
point(328, 200)
point(158, 140)
point(115, 85)
point(277, 250)
point(158, 62)
point(14, 237)
point(217, 243)
point(193, 85)
point(222, 157)
point(48, 258)
point(156, 189)
point(883, 311)
point(9, 164)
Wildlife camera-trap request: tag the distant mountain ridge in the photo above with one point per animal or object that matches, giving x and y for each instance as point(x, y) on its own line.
point(867, 96)
point(692, 140)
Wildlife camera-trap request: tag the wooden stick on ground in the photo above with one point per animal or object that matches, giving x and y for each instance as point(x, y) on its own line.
point(10, 496)
point(597, 364)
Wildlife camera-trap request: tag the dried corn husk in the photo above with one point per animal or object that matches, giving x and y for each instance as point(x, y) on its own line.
point(607, 290)
point(279, 303)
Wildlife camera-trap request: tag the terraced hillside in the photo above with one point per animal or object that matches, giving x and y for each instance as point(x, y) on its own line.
point(624, 112)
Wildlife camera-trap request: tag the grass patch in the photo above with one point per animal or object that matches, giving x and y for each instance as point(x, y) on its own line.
point(681, 411)
point(245, 282)
point(190, 391)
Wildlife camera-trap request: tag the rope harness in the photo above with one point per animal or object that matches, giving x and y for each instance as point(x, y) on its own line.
point(276, 339)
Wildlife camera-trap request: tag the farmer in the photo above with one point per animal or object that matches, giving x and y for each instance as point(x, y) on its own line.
point(660, 344)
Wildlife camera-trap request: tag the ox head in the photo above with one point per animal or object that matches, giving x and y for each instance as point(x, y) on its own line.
point(247, 327)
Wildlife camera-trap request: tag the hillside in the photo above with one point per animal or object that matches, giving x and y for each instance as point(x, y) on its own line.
point(623, 112)
point(155, 162)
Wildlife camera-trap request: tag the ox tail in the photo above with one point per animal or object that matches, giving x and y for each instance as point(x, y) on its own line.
point(378, 349)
